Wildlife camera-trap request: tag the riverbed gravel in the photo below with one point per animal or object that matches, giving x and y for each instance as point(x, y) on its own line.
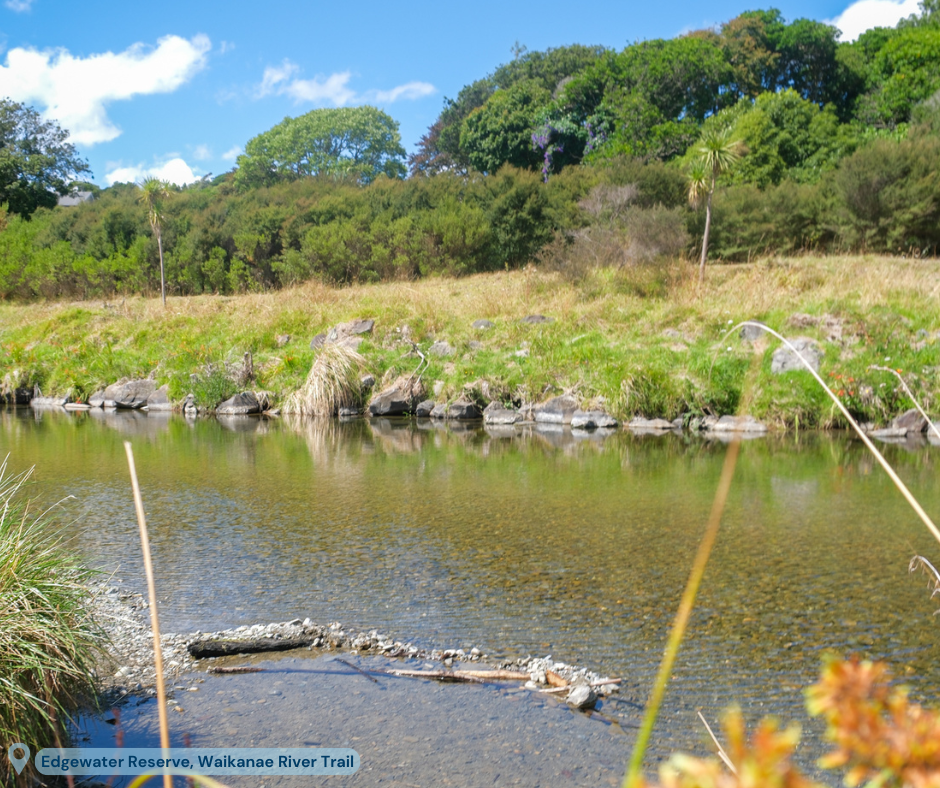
point(128, 666)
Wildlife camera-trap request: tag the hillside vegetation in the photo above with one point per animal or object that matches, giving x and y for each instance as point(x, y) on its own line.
point(574, 157)
point(648, 340)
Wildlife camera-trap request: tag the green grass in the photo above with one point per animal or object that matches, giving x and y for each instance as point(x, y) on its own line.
point(608, 339)
point(47, 636)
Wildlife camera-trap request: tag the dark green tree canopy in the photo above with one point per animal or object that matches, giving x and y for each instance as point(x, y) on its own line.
point(37, 163)
point(357, 142)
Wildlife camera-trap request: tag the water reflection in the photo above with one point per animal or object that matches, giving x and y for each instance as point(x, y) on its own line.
point(535, 541)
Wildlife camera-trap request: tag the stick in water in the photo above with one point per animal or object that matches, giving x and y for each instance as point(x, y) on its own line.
point(154, 618)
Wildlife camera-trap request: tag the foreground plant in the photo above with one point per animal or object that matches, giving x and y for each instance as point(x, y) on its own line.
point(47, 635)
point(880, 737)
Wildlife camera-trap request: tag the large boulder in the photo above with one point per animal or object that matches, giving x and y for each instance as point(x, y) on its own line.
point(910, 421)
point(738, 424)
point(424, 408)
point(785, 360)
point(463, 409)
point(440, 348)
point(557, 410)
point(641, 425)
point(496, 414)
point(592, 420)
point(240, 405)
point(159, 400)
point(399, 399)
point(131, 395)
point(349, 334)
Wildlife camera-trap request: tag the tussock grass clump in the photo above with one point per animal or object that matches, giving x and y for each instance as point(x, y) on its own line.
point(47, 635)
point(333, 383)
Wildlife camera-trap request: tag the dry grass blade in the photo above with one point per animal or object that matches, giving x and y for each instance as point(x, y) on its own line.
point(919, 562)
point(154, 617)
point(634, 775)
point(333, 383)
point(909, 394)
point(908, 496)
point(721, 750)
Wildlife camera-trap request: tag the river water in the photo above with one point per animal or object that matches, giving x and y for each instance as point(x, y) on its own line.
point(526, 542)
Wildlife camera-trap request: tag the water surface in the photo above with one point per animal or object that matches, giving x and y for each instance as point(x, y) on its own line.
point(533, 543)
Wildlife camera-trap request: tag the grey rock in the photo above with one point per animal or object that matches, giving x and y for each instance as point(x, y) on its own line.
point(367, 382)
point(678, 423)
point(592, 420)
point(785, 360)
point(440, 348)
point(159, 400)
point(738, 424)
point(133, 394)
point(352, 328)
point(391, 402)
point(463, 409)
point(557, 410)
point(474, 345)
point(582, 697)
point(347, 334)
point(523, 353)
point(348, 413)
point(752, 333)
point(39, 403)
point(497, 414)
point(239, 405)
point(483, 324)
point(888, 432)
point(649, 425)
point(439, 411)
point(96, 400)
point(537, 319)
point(189, 405)
point(424, 408)
point(910, 421)
point(281, 339)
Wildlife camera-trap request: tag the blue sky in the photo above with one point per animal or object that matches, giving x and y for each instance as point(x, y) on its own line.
point(177, 88)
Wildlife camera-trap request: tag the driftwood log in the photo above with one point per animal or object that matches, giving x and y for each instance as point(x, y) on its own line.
point(202, 649)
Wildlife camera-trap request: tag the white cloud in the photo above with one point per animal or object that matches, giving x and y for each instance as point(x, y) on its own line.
point(226, 46)
point(174, 170)
point(410, 91)
point(863, 15)
point(19, 5)
point(232, 153)
point(202, 153)
point(75, 91)
point(283, 80)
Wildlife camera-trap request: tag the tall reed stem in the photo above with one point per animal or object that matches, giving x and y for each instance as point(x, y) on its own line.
point(154, 616)
point(635, 771)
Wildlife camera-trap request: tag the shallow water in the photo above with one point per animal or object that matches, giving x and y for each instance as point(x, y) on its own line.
point(541, 543)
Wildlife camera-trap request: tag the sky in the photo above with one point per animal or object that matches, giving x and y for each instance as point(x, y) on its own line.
point(175, 89)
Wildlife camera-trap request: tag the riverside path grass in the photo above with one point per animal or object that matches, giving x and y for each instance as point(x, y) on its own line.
point(48, 639)
point(651, 355)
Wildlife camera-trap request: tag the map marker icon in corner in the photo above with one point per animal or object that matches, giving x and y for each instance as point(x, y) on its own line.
point(18, 763)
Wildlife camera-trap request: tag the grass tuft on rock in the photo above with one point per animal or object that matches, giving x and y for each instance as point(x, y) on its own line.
point(333, 383)
point(47, 635)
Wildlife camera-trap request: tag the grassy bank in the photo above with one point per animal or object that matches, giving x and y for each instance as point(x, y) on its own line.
point(646, 339)
point(47, 636)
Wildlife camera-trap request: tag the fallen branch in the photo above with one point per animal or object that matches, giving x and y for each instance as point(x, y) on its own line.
point(442, 675)
point(358, 670)
point(567, 687)
point(235, 669)
point(203, 649)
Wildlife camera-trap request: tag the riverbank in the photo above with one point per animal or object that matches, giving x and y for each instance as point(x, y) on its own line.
point(633, 342)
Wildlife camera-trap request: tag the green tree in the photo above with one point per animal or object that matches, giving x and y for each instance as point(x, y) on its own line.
point(717, 152)
point(153, 192)
point(356, 142)
point(37, 163)
point(500, 132)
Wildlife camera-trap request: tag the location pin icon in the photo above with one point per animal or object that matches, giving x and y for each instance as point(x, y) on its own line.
point(18, 763)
